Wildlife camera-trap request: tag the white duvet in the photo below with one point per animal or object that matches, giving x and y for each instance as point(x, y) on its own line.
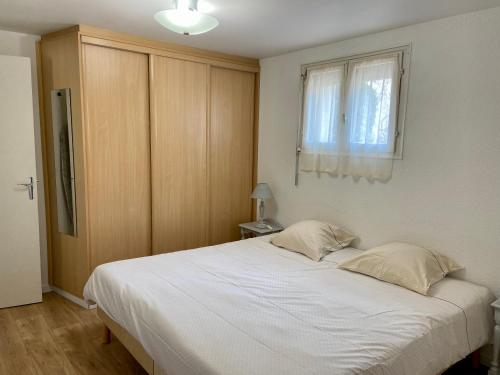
point(249, 307)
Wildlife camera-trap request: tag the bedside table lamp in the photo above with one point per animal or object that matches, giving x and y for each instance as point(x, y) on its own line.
point(261, 192)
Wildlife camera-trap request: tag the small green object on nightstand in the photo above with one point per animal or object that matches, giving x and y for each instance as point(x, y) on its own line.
point(251, 230)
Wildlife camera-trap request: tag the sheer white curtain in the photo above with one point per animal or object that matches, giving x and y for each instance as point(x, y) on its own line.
point(362, 143)
point(371, 112)
point(323, 116)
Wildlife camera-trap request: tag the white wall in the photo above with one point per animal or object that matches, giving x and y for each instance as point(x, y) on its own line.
point(17, 44)
point(444, 194)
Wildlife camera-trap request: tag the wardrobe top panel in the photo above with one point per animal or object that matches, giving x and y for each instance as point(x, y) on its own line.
point(98, 36)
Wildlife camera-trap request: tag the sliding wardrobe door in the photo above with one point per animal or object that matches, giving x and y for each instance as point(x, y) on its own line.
point(116, 99)
point(179, 154)
point(231, 152)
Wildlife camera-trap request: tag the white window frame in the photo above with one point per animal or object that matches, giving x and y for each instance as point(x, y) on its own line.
point(405, 51)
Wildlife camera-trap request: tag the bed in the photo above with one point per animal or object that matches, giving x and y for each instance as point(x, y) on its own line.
point(249, 307)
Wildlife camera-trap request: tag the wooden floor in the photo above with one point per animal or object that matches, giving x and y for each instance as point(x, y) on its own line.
point(58, 337)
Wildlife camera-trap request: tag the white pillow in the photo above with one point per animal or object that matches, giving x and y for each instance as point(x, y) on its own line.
point(406, 265)
point(313, 238)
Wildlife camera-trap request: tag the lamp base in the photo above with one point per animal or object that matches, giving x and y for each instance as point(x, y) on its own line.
point(261, 225)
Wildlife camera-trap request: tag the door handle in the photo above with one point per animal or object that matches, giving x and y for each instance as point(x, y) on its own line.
point(29, 186)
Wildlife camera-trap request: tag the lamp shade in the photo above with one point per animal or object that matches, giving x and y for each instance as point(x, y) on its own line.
point(262, 191)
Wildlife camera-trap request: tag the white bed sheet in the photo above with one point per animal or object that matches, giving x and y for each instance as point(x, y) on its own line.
point(249, 307)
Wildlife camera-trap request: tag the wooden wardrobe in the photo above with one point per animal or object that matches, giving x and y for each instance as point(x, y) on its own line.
point(164, 147)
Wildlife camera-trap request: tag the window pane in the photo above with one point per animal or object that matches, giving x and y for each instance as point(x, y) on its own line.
point(372, 99)
point(322, 108)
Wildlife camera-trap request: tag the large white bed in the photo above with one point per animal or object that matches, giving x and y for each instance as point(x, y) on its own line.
point(249, 307)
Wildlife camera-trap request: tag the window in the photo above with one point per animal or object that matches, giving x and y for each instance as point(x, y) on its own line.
point(323, 108)
point(353, 114)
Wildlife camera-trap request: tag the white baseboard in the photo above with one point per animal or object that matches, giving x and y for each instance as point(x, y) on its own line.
point(46, 288)
point(72, 298)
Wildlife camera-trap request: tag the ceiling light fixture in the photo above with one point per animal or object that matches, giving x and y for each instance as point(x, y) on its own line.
point(186, 19)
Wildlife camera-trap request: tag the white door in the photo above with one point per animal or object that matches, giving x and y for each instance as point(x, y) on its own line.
point(20, 281)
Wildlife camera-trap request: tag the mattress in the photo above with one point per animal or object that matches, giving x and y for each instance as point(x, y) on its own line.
point(248, 307)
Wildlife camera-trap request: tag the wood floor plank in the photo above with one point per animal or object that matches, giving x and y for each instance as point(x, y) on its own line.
point(11, 343)
point(80, 352)
point(23, 366)
point(121, 359)
point(40, 346)
point(59, 337)
point(14, 358)
point(24, 312)
point(56, 312)
point(114, 356)
point(88, 318)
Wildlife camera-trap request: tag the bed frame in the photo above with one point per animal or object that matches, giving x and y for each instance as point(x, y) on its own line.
point(136, 349)
point(133, 346)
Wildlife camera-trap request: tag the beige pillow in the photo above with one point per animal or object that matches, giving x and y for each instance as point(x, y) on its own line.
point(313, 238)
point(406, 265)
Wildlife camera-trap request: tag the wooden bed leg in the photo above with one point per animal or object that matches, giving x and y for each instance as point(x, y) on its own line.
point(106, 335)
point(475, 360)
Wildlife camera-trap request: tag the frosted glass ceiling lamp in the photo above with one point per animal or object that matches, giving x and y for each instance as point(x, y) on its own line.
point(186, 19)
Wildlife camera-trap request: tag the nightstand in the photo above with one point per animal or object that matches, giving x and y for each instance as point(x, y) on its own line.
point(250, 230)
point(494, 370)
